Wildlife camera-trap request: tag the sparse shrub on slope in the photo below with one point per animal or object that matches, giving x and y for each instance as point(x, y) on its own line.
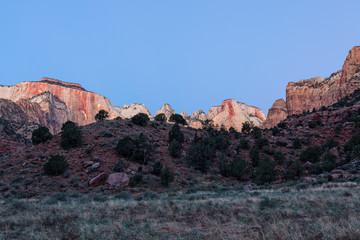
point(311, 154)
point(56, 165)
point(40, 135)
point(297, 143)
point(138, 150)
point(177, 118)
point(329, 162)
point(175, 149)
point(294, 170)
point(201, 154)
point(176, 134)
point(238, 168)
point(247, 127)
point(71, 135)
point(157, 168)
point(167, 176)
point(354, 141)
point(125, 147)
point(265, 172)
point(101, 115)
point(140, 119)
point(119, 166)
point(161, 117)
point(244, 144)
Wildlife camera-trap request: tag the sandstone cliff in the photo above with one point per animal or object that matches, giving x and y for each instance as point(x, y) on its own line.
point(276, 114)
point(51, 102)
point(317, 92)
point(167, 110)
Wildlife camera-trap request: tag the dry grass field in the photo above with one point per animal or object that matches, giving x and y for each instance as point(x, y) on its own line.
point(292, 211)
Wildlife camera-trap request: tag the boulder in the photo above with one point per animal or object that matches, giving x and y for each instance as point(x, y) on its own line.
point(98, 180)
point(118, 180)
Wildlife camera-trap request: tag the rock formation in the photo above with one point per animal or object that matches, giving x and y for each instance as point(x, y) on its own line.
point(51, 102)
point(167, 110)
point(276, 114)
point(317, 92)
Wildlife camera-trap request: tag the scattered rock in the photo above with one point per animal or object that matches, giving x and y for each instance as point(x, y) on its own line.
point(118, 180)
point(98, 180)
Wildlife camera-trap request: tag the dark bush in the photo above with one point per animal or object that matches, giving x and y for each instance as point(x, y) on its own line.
point(56, 165)
point(201, 153)
point(329, 162)
point(135, 180)
point(244, 144)
point(40, 135)
point(71, 135)
point(247, 127)
point(354, 141)
point(261, 142)
point(254, 155)
point(279, 157)
point(119, 166)
point(177, 118)
point(140, 119)
point(316, 168)
point(167, 176)
point(175, 149)
point(265, 172)
point(161, 117)
point(101, 115)
point(221, 142)
point(281, 143)
point(256, 132)
point(176, 134)
point(157, 167)
point(224, 167)
point(311, 154)
point(125, 147)
point(312, 125)
point(282, 125)
point(294, 170)
point(297, 143)
point(275, 131)
point(138, 156)
point(238, 168)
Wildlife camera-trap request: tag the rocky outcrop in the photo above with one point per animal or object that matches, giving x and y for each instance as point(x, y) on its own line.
point(167, 110)
point(129, 111)
point(233, 114)
point(276, 114)
point(51, 102)
point(317, 92)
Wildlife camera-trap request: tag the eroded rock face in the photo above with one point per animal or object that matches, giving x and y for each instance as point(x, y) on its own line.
point(233, 114)
point(167, 110)
point(276, 114)
point(51, 102)
point(317, 92)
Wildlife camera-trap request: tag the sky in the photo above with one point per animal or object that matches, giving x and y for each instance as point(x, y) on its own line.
point(192, 54)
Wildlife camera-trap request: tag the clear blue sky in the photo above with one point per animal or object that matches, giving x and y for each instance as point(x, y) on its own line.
point(191, 54)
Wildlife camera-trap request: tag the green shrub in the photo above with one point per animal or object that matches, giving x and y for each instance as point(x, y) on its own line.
point(177, 118)
point(254, 155)
point(71, 135)
point(261, 142)
point(281, 143)
point(221, 142)
point(224, 167)
point(125, 147)
point(265, 172)
point(56, 165)
point(256, 132)
point(138, 156)
point(244, 144)
point(119, 166)
point(201, 153)
point(311, 125)
point(329, 162)
point(167, 176)
point(140, 119)
point(294, 170)
point(40, 135)
point(161, 117)
point(175, 149)
point(247, 127)
point(282, 125)
point(311, 154)
point(316, 168)
point(176, 134)
point(101, 115)
point(297, 143)
point(157, 167)
point(354, 141)
point(135, 180)
point(238, 168)
point(279, 157)
point(275, 131)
